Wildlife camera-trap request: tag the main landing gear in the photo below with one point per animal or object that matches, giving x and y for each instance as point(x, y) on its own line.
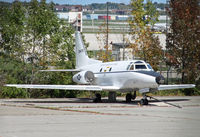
point(111, 97)
point(130, 97)
point(97, 98)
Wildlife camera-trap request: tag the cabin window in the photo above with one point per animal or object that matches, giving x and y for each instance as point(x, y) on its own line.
point(100, 69)
point(110, 69)
point(140, 67)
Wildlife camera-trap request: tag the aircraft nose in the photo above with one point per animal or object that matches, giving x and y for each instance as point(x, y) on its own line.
point(160, 79)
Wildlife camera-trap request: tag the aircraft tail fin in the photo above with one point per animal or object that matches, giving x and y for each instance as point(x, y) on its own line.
point(82, 58)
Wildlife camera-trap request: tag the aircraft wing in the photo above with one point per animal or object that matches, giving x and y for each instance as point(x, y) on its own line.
point(167, 87)
point(181, 86)
point(95, 87)
point(64, 87)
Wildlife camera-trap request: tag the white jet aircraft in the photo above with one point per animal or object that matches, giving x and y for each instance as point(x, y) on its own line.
point(122, 76)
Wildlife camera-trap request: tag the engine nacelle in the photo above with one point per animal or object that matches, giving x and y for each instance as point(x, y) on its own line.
point(84, 77)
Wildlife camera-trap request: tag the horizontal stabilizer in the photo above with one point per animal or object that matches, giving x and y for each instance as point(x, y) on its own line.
point(61, 70)
point(181, 86)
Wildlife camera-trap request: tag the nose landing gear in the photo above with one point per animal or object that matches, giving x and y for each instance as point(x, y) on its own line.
point(144, 100)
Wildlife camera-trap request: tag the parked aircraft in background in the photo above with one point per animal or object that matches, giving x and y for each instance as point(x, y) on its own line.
point(118, 76)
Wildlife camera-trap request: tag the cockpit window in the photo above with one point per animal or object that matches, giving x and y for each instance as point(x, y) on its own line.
point(128, 67)
point(149, 67)
point(138, 62)
point(132, 67)
point(140, 67)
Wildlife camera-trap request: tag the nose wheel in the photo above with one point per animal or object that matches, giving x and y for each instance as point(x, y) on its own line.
point(144, 100)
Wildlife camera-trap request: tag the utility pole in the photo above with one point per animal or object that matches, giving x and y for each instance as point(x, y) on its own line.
point(93, 20)
point(123, 39)
point(107, 32)
point(167, 25)
point(123, 45)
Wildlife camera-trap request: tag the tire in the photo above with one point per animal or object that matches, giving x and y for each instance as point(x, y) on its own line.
point(128, 98)
point(98, 98)
point(144, 102)
point(134, 95)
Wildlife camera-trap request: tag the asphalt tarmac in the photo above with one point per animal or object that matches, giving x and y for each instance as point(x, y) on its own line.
point(82, 118)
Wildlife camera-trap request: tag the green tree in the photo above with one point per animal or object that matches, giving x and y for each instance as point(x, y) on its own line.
point(53, 45)
point(105, 53)
point(12, 69)
point(146, 45)
point(49, 39)
point(62, 46)
point(43, 38)
point(183, 39)
point(12, 29)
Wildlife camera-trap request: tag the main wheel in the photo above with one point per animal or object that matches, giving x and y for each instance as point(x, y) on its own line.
point(134, 95)
point(128, 97)
point(144, 102)
point(98, 98)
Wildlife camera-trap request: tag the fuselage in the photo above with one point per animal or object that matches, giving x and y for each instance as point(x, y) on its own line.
point(127, 75)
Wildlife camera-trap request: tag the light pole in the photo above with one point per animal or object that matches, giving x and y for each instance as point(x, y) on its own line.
point(93, 20)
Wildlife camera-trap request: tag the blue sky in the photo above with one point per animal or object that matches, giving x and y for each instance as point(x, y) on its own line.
point(83, 2)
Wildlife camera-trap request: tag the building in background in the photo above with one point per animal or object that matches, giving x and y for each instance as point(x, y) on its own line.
point(75, 18)
point(104, 17)
point(71, 13)
point(64, 8)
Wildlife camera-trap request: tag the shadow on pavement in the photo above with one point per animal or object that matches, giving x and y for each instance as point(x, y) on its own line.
point(89, 100)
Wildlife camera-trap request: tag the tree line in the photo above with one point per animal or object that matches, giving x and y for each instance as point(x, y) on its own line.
point(120, 6)
point(182, 43)
point(183, 39)
point(34, 38)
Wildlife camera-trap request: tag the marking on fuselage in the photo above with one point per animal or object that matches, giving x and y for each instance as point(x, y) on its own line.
point(81, 50)
point(79, 77)
point(149, 73)
point(109, 64)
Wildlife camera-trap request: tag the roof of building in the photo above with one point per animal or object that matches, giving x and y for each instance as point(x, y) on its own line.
point(120, 45)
